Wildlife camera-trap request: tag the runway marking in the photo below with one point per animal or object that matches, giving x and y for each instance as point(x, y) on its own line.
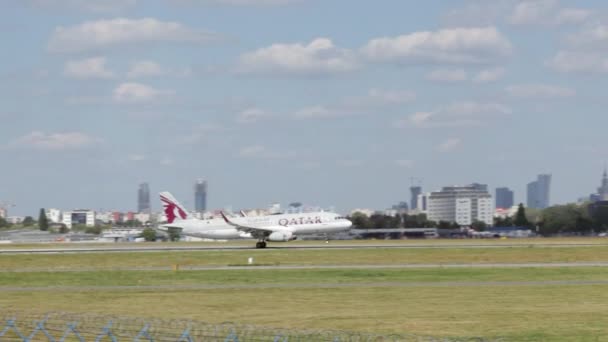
point(302, 285)
point(311, 267)
point(129, 249)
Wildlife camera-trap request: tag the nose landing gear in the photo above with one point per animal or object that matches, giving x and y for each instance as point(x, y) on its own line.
point(260, 244)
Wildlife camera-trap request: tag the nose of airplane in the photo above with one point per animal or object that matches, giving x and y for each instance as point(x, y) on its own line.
point(348, 224)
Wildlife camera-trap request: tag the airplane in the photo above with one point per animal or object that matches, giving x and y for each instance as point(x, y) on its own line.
point(268, 228)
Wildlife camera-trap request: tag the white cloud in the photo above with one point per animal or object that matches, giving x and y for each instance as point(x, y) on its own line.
point(420, 118)
point(531, 11)
point(350, 162)
point(252, 115)
point(141, 69)
point(88, 68)
point(93, 35)
point(405, 163)
point(318, 112)
point(261, 152)
point(449, 46)
point(55, 141)
point(571, 61)
point(489, 75)
point(378, 98)
point(320, 56)
point(447, 75)
point(85, 5)
point(240, 2)
point(131, 92)
point(546, 13)
point(593, 36)
point(144, 69)
point(136, 157)
point(572, 16)
point(544, 91)
point(369, 103)
point(166, 161)
point(458, 114)
point(449, 145)
point(470, 108)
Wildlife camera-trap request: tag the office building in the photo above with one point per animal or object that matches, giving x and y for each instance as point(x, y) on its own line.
point(538, 195)
point(479, 187)
point(415, 191)
point(602, 191)
point(143, 198)
point(461, 204)
point(200, 196)
point(504, 198)
point(82, 217)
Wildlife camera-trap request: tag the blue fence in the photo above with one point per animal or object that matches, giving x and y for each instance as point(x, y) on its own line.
point(62, 327)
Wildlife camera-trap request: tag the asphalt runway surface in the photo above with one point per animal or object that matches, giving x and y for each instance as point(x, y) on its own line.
point(130, 249)
point(310, 267)
point(302, 286)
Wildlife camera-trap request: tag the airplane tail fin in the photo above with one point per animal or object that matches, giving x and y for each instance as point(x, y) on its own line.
point(173, 209)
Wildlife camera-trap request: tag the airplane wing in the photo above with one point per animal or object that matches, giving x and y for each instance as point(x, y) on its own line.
point(255, 231)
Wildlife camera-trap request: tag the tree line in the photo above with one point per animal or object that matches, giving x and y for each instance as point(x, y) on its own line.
point(559, 219)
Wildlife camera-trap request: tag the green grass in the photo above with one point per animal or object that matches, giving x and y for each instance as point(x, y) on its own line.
point(298, 277)
point(381, 256)
point(426, 306)
point(532, 313)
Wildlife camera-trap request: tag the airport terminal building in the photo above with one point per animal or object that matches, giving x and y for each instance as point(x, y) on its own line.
point(460, 204)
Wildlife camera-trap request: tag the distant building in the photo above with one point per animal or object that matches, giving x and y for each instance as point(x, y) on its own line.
point(539, 191)
point(200, 196)
point(3, 213)
point(53, 215)
point(602, 191)
point(143, 198)
point(415, 192)
point(400, 208)
point(79, 217)
point(460, 204)
point(504, 198)
point(422, 202)
point(480, 187)
point(15, 219)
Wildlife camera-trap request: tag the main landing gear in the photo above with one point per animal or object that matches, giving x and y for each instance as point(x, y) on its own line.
point(260, 244)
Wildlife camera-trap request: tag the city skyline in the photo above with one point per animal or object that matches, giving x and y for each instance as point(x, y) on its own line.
point(272, 106)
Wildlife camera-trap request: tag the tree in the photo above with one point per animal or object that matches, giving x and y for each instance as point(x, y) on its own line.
point(520, 218)
point(28, 221)
point(479, 226)
point(43, 223)
point(149, 234)
point(360, 221)
point(4, 223)
point(444, 225)
point(569, 218)
point(174, 235)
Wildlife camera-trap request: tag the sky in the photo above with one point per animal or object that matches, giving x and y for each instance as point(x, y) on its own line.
point(327, 102)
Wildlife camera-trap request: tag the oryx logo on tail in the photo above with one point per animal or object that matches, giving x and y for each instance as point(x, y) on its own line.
point(169, 205)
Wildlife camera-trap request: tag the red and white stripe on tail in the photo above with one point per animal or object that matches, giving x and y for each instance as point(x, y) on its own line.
point(174, 211)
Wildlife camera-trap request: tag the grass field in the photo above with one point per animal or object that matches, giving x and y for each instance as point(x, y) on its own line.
point(519, 304)
point(394, 256)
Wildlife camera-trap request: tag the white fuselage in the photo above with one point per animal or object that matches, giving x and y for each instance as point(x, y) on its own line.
point(297, 224)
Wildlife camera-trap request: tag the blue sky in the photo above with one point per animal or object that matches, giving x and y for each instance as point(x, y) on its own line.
point(331, 103)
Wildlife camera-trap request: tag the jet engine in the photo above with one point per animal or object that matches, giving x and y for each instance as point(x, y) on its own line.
point(281, 237)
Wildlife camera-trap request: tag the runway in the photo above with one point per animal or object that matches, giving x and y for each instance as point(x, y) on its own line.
point(301, 286)
point(312, 267)
point(131, 249)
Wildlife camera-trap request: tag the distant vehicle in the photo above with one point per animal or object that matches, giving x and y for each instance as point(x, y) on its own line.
point(273, 228)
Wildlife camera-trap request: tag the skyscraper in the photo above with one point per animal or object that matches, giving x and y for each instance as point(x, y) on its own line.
point(200, 196)
point(539, 192)
point(504, 198)
point(415, 190)
point(143, 198)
